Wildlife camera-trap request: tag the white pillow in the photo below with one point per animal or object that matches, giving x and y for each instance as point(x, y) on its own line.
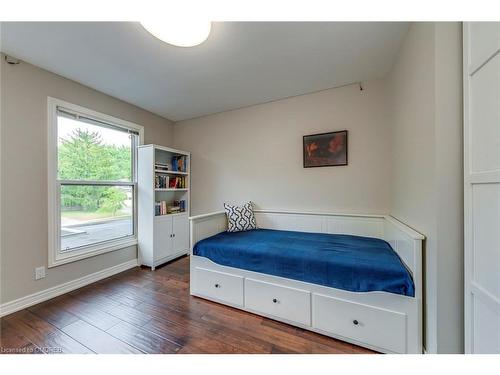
point(240, 219)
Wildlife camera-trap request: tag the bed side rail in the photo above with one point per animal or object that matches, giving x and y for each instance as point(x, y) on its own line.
point(408, 245)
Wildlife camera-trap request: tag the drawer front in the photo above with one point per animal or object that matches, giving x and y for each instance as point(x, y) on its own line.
point(219, 286)
point(370, 325)
point(279, 301)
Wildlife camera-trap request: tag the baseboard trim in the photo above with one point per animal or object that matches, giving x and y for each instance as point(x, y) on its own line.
point(44, 295)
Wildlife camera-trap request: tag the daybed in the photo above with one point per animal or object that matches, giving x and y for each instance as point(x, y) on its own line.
point(362, 285)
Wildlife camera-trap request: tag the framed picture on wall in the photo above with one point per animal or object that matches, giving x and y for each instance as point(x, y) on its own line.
point(325, 149)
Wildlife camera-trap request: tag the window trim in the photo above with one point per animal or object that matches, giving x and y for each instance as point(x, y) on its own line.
point(55, 256)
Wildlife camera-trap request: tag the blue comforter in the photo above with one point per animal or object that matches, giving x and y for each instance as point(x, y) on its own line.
point(353, 263)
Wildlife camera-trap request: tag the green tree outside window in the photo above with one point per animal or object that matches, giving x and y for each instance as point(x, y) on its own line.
point(85, 157)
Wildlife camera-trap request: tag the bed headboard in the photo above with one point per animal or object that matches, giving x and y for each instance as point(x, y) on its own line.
point(404, 240)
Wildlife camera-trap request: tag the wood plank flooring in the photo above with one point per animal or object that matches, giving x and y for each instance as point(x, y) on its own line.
point(140, 311)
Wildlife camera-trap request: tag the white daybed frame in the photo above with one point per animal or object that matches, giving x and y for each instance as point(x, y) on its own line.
point(382, 321)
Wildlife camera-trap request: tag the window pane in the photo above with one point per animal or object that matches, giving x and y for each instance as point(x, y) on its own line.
point(92, 152)
point(94, 214)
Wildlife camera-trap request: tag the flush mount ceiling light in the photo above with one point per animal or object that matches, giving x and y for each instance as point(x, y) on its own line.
point(179, 33)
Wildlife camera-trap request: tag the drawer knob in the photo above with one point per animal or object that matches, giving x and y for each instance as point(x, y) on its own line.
point(355, 322)
point(217, 285)
point(275, 300)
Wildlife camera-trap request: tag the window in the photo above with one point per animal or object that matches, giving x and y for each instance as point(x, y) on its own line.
point(92, 182)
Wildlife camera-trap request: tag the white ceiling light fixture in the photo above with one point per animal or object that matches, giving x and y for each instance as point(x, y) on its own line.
point(181, 33)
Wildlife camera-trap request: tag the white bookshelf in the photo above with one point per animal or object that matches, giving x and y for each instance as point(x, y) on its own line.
point(161, 237)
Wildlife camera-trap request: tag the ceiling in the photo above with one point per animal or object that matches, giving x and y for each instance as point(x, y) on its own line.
point(241, 63)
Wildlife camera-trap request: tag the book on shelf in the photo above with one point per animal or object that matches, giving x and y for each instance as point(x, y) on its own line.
point(177, 183)
point(179, 163)
point(182, 205)
point(178, 206)
point(162, 182)
point(167, 208)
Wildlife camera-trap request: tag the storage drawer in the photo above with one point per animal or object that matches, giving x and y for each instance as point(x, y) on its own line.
point(219, 286)
point(367, 324)
point(279, 301)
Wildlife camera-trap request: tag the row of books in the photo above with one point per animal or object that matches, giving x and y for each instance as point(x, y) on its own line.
point(164, 182)
point(164, 208)
point(161, 182)
point(179, 163)
point(177, 182)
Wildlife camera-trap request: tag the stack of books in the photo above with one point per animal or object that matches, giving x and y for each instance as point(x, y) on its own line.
point(180, 206)
point(163, 208)
point(161, 167)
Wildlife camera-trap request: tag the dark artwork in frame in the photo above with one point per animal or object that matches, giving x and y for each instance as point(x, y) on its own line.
point(325, 149)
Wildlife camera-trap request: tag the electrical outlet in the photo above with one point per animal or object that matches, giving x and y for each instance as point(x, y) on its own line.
point(39, 273)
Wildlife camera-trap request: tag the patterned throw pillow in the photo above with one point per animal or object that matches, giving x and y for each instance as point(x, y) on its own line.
point(239, 218)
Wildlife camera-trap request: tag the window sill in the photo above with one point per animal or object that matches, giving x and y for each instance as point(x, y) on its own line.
point(58, 258)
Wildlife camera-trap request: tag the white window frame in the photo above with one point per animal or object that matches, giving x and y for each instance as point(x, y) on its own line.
point(56, 257)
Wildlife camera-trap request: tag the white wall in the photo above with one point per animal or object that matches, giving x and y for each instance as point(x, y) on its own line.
point(255, 153)
point(413, 153)
point(24, 91)
point(449, 172)
point(425, 86)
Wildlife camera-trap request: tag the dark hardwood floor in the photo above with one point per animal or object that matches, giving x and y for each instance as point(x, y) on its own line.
point(140, 311)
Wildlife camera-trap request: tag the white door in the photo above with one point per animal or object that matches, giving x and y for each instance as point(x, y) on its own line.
point(162, 237)
point(180, 234)
point(482, 186)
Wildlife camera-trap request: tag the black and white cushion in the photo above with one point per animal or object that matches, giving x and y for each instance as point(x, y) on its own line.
point(239, 218)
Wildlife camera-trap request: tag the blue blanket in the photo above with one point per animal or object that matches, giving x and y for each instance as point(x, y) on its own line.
point(353, 263)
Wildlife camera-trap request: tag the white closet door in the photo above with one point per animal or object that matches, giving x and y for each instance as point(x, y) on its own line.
point(482, 186)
